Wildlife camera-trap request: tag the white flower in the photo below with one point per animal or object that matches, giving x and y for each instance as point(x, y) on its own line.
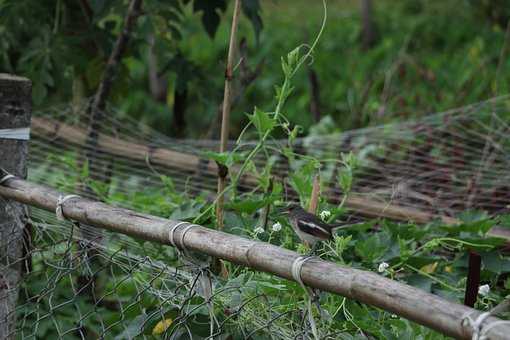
point(259, 230)
point(484, 290)
point(325, 214)
point(382, 267)
point(277, 226)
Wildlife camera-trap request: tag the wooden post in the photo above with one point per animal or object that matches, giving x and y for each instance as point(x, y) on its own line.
point(473, 279)
point(15, 111)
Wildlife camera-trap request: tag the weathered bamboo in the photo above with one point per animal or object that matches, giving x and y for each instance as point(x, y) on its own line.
point(48, 128)
point(367, 287)
point(15, 112)
point(314, 198)
point(225, 114)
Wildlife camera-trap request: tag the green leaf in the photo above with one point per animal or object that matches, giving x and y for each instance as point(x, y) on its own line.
point(249, 206)
point(373, 247)
point(186, 211)
point(495, 262)
point(251, 8)
point(420, 281)
point(210, 13)
point(263, 123)
point(226, 158)
point(345, 179)
point(504, 221)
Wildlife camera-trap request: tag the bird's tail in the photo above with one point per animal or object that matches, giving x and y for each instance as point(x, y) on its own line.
point(343, 225)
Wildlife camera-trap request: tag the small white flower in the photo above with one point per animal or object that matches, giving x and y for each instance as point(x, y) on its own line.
point(277, 226)
point(259, 230)
point(484, 290)
point(382, 267)
point(325, 214)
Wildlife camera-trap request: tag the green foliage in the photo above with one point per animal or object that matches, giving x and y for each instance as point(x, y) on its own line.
point(413, 58)
point(262, 122)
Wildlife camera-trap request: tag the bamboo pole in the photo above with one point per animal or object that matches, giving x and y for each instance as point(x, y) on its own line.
point(366, 287)
point(48, 128)
point(225, 117)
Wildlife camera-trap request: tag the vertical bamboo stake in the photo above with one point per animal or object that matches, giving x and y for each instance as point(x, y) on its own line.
point(15, 112)
point(314, 198)
point(473, 279)
point(222, 173)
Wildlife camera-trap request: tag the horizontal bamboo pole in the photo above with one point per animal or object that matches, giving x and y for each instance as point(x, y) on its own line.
point(367, 287)
point(49, 128)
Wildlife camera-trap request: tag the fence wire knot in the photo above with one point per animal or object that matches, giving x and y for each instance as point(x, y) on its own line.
point(59, 211)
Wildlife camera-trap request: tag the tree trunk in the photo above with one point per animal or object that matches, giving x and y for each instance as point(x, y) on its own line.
point(368, 31)
point(179, 120)
point(15, 111)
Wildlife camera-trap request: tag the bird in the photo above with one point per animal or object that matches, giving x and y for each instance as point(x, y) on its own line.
point(310, 228)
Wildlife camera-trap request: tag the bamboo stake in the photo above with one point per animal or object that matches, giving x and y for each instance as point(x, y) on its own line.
point(314, 199)
point(366, 287)
point(225, 120)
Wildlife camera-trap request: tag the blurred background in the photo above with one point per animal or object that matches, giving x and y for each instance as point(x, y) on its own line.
point(377, 61)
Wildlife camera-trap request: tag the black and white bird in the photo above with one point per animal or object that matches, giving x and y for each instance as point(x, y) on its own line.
point(310, 228)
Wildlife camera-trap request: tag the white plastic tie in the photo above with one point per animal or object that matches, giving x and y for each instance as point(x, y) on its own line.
point(297, 266)
point(59, 211)
point(183, 233)
point(18, 134)
point(171, 234)
point(479, 330)
point(6, 177)
point(485, 330)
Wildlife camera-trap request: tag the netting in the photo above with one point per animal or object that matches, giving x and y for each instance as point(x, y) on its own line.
point(442, 164)
point(68, 293)
point(127, 290)
point(84, 283)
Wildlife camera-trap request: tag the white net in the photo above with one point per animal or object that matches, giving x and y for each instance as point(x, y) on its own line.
point(441, 165)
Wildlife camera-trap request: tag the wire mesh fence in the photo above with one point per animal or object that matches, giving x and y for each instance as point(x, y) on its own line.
point(128, 290)
point(79, 282)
